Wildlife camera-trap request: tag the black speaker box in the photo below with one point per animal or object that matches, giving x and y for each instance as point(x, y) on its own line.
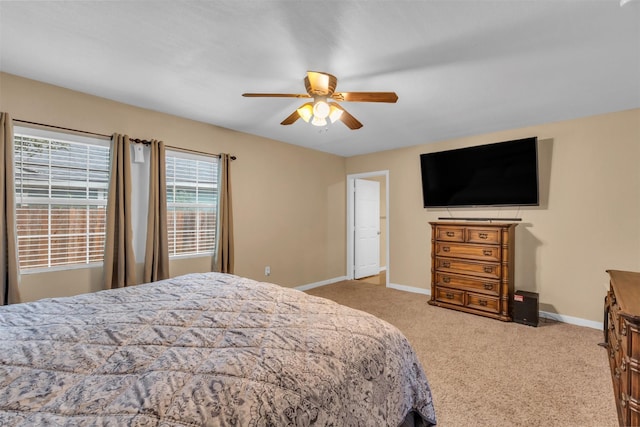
point(525, 308)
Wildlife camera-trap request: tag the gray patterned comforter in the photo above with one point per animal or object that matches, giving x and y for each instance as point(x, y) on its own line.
point(205, 349)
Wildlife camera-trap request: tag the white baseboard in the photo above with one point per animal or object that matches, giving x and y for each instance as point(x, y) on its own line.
point(571, 320)
point(553, 316)
point(322, 283)
point(409, 289)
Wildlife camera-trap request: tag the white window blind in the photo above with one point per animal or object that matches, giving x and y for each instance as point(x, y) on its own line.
point(61, 186)
point(192, 203)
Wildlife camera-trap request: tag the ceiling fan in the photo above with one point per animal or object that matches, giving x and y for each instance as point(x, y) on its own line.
point(321, 87)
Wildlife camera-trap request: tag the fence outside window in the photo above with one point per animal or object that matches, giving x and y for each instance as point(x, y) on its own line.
point(61, 197)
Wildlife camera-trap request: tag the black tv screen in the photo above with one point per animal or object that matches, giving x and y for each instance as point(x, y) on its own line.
point(500, 174)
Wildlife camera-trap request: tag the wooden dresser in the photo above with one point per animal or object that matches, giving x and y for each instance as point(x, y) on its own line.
point(622, 338)
point(472, 267)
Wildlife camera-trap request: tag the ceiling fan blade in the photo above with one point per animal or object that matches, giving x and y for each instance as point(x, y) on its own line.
point(291, 119)
point(365, 96)
point(320, 84)
point(276, 95)
point(351, 122)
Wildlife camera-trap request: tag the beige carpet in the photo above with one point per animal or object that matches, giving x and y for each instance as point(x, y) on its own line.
point(485, 372)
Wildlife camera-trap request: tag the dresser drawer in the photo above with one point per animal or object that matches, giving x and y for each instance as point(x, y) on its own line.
point(483, 235)
point(615, 317)
point(483, 302)
point(449, 234)
point(462, 250)
point(612, 334)
point(487, 286)
point(612, 310)
point(615, 379)
point(634, 382)
point(634, 415)
point(481, 269)
point(448, 295)
point(615, 352)
point(631, 344)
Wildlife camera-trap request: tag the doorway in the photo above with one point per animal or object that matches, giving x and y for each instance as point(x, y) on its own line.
point(351, 220)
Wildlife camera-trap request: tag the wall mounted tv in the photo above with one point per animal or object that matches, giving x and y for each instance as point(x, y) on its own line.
point(499, 174)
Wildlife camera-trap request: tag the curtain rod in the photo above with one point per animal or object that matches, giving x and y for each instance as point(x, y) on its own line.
point(139, 141)
point(135, 140)
point(188, 150)
point(62, 128)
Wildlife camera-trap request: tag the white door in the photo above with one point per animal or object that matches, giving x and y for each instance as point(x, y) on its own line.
point(367, 228)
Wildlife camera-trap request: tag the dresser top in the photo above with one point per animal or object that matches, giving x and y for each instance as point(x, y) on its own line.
point(626, 286)
point(475, 223)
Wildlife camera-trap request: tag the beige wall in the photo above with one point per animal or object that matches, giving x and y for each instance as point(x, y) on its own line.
point(290, 206)
point(589, 220)
point(289, 202)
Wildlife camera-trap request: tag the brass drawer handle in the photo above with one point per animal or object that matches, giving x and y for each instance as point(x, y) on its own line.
point(445, 249)
point(487, 252)
point(623, 332)
point(488, 269)
point(483, 236)
point(449, 296)
point(446, 264)
point(446, 279)
point(483, 302)
point(450, 234)
point(488, 286)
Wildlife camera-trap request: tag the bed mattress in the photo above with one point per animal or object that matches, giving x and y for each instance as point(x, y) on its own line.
point(205, 349)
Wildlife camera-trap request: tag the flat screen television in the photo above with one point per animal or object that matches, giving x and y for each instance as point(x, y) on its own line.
point(499, 174)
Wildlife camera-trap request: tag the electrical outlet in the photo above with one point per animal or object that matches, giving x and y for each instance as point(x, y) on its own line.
point(267, 271)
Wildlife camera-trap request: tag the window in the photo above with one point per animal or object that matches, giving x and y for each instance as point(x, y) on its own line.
point(61, 186)
point(192, 203)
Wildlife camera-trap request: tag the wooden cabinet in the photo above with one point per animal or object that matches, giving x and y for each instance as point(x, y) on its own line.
point(622, 338)
point(472, 267)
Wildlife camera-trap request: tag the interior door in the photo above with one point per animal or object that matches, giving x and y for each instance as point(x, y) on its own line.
point(367, 228)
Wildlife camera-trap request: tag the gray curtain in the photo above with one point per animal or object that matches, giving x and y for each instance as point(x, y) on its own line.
point(119, 259)
point(9, 271)
point(156, 258)
point(223, 259)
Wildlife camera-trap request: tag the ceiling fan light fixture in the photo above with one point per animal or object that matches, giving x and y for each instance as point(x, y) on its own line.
point(335, 113)
point(318, 113)
point(320, 83)
point(306, 112)
point(321, 109)
point(318, 121)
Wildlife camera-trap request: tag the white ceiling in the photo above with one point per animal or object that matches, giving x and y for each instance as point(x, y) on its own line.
point(459, 67)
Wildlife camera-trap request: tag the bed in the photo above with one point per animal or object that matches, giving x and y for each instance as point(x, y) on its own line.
point(206, 349)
